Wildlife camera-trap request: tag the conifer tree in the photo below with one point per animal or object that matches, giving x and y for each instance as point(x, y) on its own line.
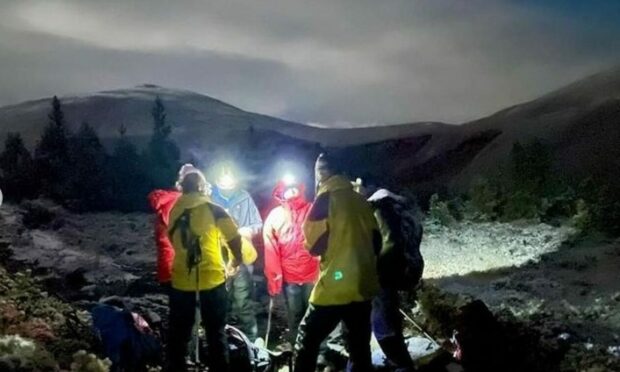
point(129, 182)
point(18, 174)
point(88, 182)
point(52, 155)
point(162, 154)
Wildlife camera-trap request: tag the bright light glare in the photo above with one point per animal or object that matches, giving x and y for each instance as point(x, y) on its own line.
point(227, 181)
point(288, 179)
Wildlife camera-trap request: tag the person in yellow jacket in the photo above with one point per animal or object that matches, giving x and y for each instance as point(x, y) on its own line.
point(342, 229)
point(196, 227)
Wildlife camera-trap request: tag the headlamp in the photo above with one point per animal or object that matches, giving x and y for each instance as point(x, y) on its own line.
point(289, 179)
point(226, 181)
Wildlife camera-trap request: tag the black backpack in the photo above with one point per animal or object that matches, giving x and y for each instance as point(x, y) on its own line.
point(190, 241)
point(406, 232)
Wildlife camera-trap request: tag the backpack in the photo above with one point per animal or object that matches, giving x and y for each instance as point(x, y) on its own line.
point(246, 356)
point(407, 264)
point(128, 341)
point(190, 241)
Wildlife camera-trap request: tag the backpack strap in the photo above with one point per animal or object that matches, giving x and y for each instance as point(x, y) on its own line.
point(190, 241)
point(184, 219)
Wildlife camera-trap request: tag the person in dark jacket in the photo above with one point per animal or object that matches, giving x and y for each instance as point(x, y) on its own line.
point(399, 266)
point(289, 268)
point(241, 207)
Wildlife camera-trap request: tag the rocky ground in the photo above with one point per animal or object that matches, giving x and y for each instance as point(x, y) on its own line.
point(560, 293)
point(566, 289)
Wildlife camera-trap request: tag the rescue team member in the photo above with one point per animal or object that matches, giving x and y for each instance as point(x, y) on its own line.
point(289, 268)
point(207, 222)
point(162, 202)
point(241, 207)
point(400, 266)
point(342, 229)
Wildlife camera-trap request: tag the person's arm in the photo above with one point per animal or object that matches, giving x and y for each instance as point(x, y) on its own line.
point(316, 228)
point(254, 218)
point(383, 242)
point(273, 266)
point(228, 228)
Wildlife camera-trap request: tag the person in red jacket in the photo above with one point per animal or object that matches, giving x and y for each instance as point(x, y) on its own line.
point(288, 266)
point(162, 202)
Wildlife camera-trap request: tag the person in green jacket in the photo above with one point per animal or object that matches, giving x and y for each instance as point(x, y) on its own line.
point(342, 230)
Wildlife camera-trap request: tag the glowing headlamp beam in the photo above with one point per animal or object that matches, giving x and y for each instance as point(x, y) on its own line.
point(289, 179)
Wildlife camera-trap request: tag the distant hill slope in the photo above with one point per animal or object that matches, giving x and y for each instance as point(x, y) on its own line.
point(195, 117)
point(581, 123)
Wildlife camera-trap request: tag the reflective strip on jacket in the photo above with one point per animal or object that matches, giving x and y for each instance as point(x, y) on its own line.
point(211, 223)
point(342, 229)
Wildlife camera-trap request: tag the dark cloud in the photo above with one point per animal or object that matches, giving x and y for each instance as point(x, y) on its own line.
point(359, 61)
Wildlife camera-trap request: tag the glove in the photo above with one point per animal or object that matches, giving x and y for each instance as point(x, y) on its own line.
point(274, 286)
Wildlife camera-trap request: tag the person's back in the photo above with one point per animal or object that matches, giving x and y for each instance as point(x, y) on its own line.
point(203, 222)
point(400, 267)
point(400, 263)
point(340, 228)
point(198, 272)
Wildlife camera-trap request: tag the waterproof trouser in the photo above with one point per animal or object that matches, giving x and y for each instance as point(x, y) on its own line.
point(241, 307)
point(182, 314)
point(296, 296)
point(387, 326)
point(317, 324)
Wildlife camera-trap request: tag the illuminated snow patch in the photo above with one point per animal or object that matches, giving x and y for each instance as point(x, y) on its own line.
point(471, 247)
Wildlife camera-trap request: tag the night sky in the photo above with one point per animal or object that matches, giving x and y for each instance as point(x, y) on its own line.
point(331, 62)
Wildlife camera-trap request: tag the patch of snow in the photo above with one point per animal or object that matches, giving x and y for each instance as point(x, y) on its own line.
point(470, 247)
point(418, 347)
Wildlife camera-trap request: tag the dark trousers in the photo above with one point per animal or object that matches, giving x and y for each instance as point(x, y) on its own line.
point(297, 296)
point(387, 325)
point(213, 314)
point(317, 324)
point(241, 308)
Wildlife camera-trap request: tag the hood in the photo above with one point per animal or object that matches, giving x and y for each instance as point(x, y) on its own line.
point(384, 193)
point(162, 199)
point(335, 183)
point(192, 200)
point(280, 187)
point(218, 196)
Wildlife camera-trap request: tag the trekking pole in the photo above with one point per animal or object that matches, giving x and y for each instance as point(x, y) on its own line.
point(269, 322)
point(419, 327)
point(197, 321)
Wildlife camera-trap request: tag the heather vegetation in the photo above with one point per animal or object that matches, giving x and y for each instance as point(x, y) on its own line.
point(530, 189)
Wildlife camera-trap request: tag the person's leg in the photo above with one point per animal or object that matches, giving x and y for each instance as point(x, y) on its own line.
point(318, 322)
point(356, 319)
point(296, 303)
point(388, 329)
point(181, 319)
point(194, 342)
point(242, 307)
point(213, 310)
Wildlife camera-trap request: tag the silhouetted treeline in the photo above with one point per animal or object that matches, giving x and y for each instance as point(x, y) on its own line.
point(74, 169)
